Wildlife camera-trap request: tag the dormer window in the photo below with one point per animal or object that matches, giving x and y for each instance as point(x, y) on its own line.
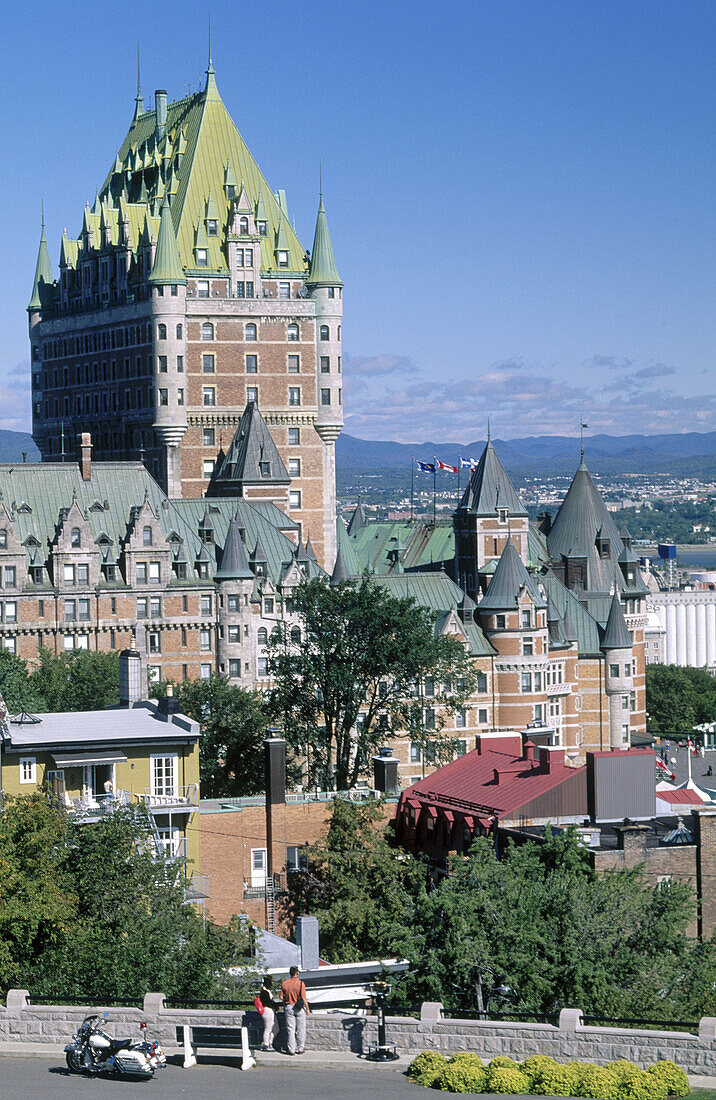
point(502, 515)
point(212, 227)
point(603, 548)
point(75, 538)
point(244, 226)
point(263, 229)
point(282, 258)
point(265, 469)
point(202, 257)
point(146, 536)
point(3, 539)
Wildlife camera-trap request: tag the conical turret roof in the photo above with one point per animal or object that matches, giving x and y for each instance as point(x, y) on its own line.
point(167, 267)
point(581, 520)
point(234, 563)
point(616, 634)
point(357, 521)
point(42, 285)
point(508, 581)
point(490, 488)
point(252, 448)
point(340, 569)
point(323, 263)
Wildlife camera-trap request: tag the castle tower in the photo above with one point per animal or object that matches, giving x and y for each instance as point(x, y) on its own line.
point(618, 675)
point(489, 516)
point(235, 582)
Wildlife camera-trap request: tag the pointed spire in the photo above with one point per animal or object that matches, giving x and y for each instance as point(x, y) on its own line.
point(42, 285)
point(252, 457)
point(210, 211)
point(210, 90)
point(358, 520)
point(616, 634)
point(234, 563)
point(310, 552)
point(340, 570)
point(138, 99)
point(509, 580)
point(490, 487)
point(323, 270)
point(167, 267)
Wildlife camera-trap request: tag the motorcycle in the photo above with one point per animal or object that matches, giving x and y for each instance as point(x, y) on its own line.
point(92, 1051)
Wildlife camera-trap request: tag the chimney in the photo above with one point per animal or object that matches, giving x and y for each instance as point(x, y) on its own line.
point(528, 748)
point(385, 772)
point(169, 705)
point(275, 786)
point(549, 759)
point(130, 677)
point(307, 942)
point(86, 456)
point(160, 104)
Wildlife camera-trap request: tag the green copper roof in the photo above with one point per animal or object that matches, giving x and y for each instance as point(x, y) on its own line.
point(44, 279)
point(323, 263)
point(616, 635)
point(439, 594)
point(167, 267)
point(509, 580)
point(251, 449)
point(234, 563)
point(490, 488)
point(204, 142)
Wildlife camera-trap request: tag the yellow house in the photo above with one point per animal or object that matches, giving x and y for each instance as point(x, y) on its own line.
point(145, 752)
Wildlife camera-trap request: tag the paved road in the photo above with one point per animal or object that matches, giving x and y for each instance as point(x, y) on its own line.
point(46, 1079)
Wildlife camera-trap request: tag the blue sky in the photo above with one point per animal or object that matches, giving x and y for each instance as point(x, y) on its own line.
point(520, 194)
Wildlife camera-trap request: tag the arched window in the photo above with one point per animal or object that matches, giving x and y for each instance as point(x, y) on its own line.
point(296, 635)
point(146, 536)
point(161, 332)
point(243, 225)
point(293, 332)
point(324, 333)
point(75, 537)
point(251, 331)
point(180, 332)
point(262, 635)
point(207, 331)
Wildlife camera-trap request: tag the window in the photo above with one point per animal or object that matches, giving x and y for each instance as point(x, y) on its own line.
point(208, 394)
point(527, 647)
point(324, 332)
point(325, 397)
point(162, 361)
point(252, 364)
point(207, 364)
point(208, 437)
point(240, 289)
point(252, 395)
point(83, 607)
point(243, 227)
point(250, 332)
point(262, 635)
point(480, 682)
point(294, 395)
point(625, 702)
point(500, 622)
point(161, 332)
point(142, 607)
point(68, 642)
point(614, 671)
point(68, 574)
point(294, 467)
point(141, 572)
point(205, 604)
point(10, 573)
point(429, 718)
point(234, 634)
point(202, 257)
point(294, 499)
point(325, 364)
point(180, 332)
point(460, 718)
point(28, 769)
point(295, 635)
point(146, 536)
point(282, 257)
point(155, 606)
point(414, 753)
point(75, 537)
point(202, 288)
point(268, 605)
point(294, 437)
point(294, 364)
point(538, 681)
point(292, 332)
point(263, 229)
point(154, 673)
point(208, 467)
point(212, 227)
point(164, 397)
point(164, 776)
point(3, 539)
point(234, 667)
point(205, 641)
point(154, 572)
point(262, 666)
point(154, 640)
point(482, 717)
point(526, 682)
point(526, 620)
point(207, 331)
point(234, 603)
point(265, 469)
point(180, 397)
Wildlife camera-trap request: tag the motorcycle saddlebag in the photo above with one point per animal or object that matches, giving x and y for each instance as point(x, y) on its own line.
point(133, 1061)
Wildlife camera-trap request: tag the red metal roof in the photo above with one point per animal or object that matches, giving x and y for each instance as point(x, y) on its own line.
point(681, 797)
point(493, 780)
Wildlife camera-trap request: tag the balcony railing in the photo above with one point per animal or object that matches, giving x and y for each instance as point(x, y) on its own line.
point(197, 887)
point(91, 807)
point(181, 798)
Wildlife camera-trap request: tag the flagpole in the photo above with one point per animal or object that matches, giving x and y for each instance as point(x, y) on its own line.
point(435, 474)
point(412, 487)
point(459, 465)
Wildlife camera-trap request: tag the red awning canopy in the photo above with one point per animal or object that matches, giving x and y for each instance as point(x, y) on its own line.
point(449, 816)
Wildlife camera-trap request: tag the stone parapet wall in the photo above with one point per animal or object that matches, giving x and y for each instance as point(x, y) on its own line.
point(21, 1021)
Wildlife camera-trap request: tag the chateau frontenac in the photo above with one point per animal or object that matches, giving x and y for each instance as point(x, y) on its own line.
point(186, 297)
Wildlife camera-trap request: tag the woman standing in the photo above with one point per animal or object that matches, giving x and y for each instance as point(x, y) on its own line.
point(269, 1014)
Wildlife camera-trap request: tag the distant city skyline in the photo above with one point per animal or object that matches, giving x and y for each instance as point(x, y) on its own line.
point(519, 194)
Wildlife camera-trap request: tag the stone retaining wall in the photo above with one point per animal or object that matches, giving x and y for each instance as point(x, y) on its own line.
point(21, 1021)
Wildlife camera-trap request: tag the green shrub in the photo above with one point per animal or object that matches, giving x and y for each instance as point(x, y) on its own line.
point(673, 1076)
point(504, 1061)
point(506, 1079)
point(461, 1075)
point(555, 1080)
point(535, 1064)
point(598, 1082)
point(468, 1058)
point(645, 1086)
point(427, 1067)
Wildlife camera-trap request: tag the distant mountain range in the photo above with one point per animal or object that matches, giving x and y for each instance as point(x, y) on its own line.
point(12, 444)
point(691, 454)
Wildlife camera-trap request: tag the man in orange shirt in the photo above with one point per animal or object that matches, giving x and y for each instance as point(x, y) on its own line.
point(293, 994)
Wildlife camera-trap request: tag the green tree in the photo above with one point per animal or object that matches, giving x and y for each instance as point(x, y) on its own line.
point(37, 901)
point(363, 890)
point(679, 698)
point(81, 680)
point(354, 676)
point(233, 726)
point(16, 687)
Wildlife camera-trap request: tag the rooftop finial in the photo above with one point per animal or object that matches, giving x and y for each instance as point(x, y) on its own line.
point(42, 207)
point(211, 67)
point(320, 182)
point(488, 430)
point(139, 99)
point(210, 91)
point(582, 426)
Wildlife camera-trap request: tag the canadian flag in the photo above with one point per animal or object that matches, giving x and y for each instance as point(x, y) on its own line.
point(444, 466)
point(662, 767)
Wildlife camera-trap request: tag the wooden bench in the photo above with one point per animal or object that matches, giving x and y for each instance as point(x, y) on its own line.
point(224, 1038)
